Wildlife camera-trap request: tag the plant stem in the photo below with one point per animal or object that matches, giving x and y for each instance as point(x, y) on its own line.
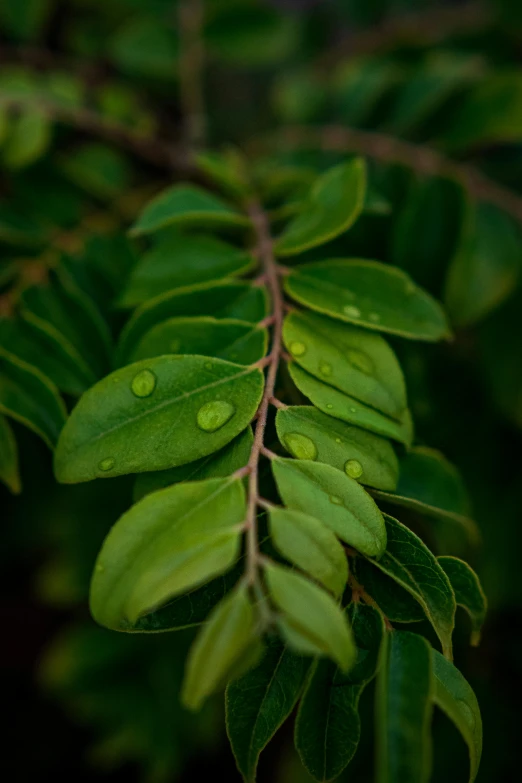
point(191, 64)
point(266, 256)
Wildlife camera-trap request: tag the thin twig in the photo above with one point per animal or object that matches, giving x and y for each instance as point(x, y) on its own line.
point(191, 65)
point(359, 594)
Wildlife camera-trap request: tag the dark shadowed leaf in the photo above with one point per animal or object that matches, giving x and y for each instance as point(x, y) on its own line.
point(468, 592)
point(397, 603)
point(9, 472)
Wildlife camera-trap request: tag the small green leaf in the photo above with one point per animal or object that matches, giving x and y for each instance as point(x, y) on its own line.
point(312, 613)
point(186, 205)
point(455, 697)
point(334, 204)
point(352, 360)
point(98, 169)
point(227, 636)
point(333, 497)
point(157, 414)
point(222, 463)
point(223, 299)
point(468, 592)
point(172, 540)
point(398, 605)
point(30, 398)
point(409, 562)
point(177, 261)
point(224, 338)
point(9, 471)
point(340, 406)
point(370, 294)
point(362, 455)
point(310, 545)
point(28, 139)
point(403, 709)
point(259, 703)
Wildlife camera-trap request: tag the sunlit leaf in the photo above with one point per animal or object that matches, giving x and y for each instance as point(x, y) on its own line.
point(468, 592)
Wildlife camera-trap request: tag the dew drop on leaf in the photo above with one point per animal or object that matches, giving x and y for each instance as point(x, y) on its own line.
point(208, 365)
point(352, 311)
point(336, 500)
point(297, 349)
point(375, 317)
point(353, 468)
point(360, 361)
point(301, 446)
point(338, 440)
point(353, 410)
point(325, 369)
point(106, 464)
point(214, 415)
point(329, 406)
point(144, 383)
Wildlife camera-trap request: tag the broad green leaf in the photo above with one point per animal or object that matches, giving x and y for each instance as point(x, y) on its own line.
point(309, 544)
point(9, 471)
point(398, 605)
point(232, 457)
point(258, 703)
point(157, 414)
point(222, 299)
point(409, 562)
point(370, 294)
point(340, 406)
point(313, 613)
point(309, 434)
point(30, 398)
point(224, 338)
point(186, 205)
point(455, 697)
point(486, 267)
point(351, 360)
point(328, 727)
point(28, 139)
point(404, 696)
point(468, 592)
point(334, 204)
point(333, 497)
point(177, 261)
point(172, 540)
point(227, 636)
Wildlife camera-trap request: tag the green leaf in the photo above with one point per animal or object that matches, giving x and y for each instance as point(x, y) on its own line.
point(333, 497)
point(409, 562)
point(404, 706)
point(360, 85)
point(312, 613)
point(223, 299)
point(334, 204)
point(99, 170)
point(398, 605)
point(455, 697)
point(172, 540)
point(468, 592)
point(309, 544)
point(370, 294)
point(177, 261)
point(352, 360)
point(225, 338)
point(144, 47)
point(307, 433)
point(9, 471)
point(224, 168)
point(232, 457)
point(340, 406)
point(227, 636)
point(30, 398)
point(328, 726)
point(157, 414)
point(258, 703)
point(186, 205)
point(486, 268)
point(24, 20)
point(28, 139)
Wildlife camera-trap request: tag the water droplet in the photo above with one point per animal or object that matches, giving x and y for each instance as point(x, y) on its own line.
point(301, 446)
point(375, 317)
point(325, 369)
point(353, 410)
point(175, 345)
point(208, 365)
point(336, 500)
point(352, 311)
point(143, 383)
point(338, 440)
point(297, 349)
point(106, 464)
point(214, 415)
point(360, 361)
point(353, 468)
point(329, 406)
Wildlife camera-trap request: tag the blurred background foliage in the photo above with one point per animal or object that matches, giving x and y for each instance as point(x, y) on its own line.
point(93, 96)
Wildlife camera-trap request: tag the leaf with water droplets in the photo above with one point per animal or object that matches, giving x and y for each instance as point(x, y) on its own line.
point(224, 299)
point(340, 406)
point(186, 205)
point(351, 360)
point(455, 697)
point(172, 540)
point(177, 261)
point(339, 444)
point(312, 613)
point(9, 472)
point(468, 592)
point(309, 544)
point(334, 204)
point(187, 407)
point(333, 497)
point(370, 294)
